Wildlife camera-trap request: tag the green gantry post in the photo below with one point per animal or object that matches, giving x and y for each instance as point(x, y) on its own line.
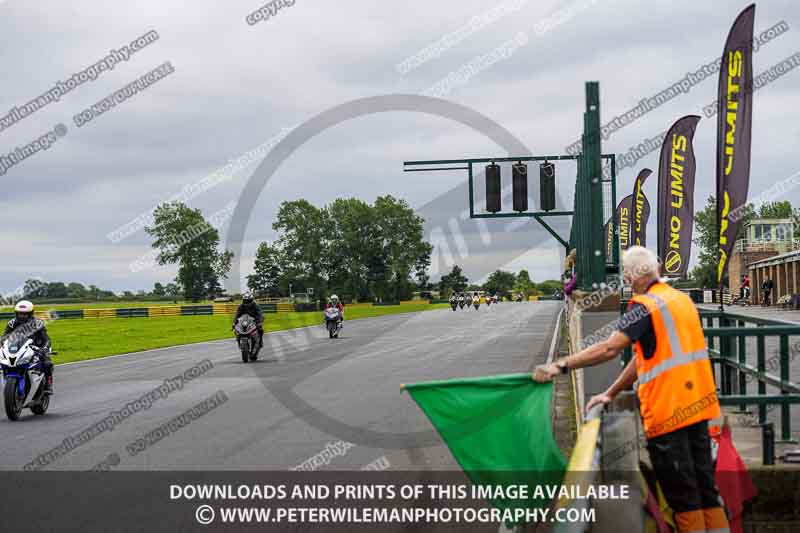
point(589, 217)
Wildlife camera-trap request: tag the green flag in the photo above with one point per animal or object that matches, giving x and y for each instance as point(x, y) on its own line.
point(497, 428)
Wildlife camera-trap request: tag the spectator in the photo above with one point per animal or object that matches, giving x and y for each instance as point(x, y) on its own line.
point(767, 287)
point(676, 390)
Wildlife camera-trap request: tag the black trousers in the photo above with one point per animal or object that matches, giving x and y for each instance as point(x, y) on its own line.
point(47, 362)
point(682, 464)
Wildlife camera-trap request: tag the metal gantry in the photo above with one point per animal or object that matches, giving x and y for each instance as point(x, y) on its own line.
point(588, 218)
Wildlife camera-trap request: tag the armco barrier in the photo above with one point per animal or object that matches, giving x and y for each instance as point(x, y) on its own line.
point(192, 310)
point(130, 313)
point(100, 313)
point(68, 313)
point(166, 310)
point(225, 309)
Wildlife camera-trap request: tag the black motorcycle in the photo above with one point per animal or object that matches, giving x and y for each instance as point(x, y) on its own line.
point(247, 337)
point(453, 304)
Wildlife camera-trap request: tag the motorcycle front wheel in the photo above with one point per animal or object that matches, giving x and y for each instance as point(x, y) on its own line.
point(11, 400)
point(41, 407)
point(245, 349)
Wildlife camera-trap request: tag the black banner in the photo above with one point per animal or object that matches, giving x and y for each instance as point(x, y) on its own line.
point(608, 232)
point(734, 121)
point(624, 216)
point(641, 210)
point(676, 172)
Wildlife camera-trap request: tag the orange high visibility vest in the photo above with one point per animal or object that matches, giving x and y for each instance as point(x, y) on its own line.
point(676, 386)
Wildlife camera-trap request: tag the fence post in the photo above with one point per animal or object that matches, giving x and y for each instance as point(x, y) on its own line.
point(786, 428)
point(725, 353)
point(761, 363)
point(742, 360)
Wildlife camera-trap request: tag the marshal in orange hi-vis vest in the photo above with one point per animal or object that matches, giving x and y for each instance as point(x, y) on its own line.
point(676, 386)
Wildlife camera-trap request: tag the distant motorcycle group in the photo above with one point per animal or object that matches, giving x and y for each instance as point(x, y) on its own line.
point(460, 300)
point(249, 329)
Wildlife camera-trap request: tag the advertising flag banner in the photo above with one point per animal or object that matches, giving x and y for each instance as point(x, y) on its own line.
point(734, 121)
point(608, 232)
point(676, 174)
point(641, 210)
point(624, 216)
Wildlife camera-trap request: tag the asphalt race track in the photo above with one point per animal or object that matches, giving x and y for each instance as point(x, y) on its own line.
point(308, 396)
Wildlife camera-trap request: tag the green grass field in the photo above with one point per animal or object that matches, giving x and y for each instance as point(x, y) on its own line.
point(80, 340)
point(106, 305)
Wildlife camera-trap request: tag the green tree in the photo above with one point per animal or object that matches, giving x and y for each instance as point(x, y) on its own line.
point(56, 289)
point(34, 288)
point(500, 283)
point(76, 290)
point(265, 280)
point(422, 265)
point(352, 238)
point(158, 290)
point(524, 283)
point(455, 281)
point(184, 237)
point(707, 240)
point(776, 210)
point(548, 287)
point(172, 290)
point(400, 231)
point(302, 228)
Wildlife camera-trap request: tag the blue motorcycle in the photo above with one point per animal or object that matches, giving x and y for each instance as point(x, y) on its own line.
point(23, 376)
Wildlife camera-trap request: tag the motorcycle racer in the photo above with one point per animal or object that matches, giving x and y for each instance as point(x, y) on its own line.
point(24, 323)
point(250, 307)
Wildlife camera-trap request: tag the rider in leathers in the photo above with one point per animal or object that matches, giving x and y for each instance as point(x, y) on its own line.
point(250, 307)
point(24, 323)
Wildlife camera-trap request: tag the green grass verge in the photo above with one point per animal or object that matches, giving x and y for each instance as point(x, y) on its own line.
point(84, 339)
point(107, 305)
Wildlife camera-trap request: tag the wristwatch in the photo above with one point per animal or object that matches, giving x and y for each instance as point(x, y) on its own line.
point(563, 366)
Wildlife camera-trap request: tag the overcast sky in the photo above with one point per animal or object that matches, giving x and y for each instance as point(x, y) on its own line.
point(237, 85)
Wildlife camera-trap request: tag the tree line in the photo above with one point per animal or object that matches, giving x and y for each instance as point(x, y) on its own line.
point(500, 282)
point(360, 251)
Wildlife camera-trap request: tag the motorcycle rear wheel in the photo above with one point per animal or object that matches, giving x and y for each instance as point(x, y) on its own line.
point(11, 400)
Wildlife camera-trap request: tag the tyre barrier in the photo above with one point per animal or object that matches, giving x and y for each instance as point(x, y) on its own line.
point(191, 310)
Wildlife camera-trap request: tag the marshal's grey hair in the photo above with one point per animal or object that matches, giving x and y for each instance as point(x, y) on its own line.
point(639, 262)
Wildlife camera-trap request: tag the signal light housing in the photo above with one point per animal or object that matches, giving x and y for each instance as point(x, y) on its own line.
point(493, 202)
point(547, 186)
point(519, 175)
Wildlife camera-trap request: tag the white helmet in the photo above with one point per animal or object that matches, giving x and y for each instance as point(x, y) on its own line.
point(23, 310)
point(334, 298)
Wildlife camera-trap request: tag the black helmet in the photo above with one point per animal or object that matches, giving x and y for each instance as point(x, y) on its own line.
point(247, 298)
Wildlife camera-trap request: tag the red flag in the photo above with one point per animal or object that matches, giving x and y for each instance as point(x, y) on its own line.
point(733, 481)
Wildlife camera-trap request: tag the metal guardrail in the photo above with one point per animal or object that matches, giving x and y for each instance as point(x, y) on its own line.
point(728, 348)
point(583, 468)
